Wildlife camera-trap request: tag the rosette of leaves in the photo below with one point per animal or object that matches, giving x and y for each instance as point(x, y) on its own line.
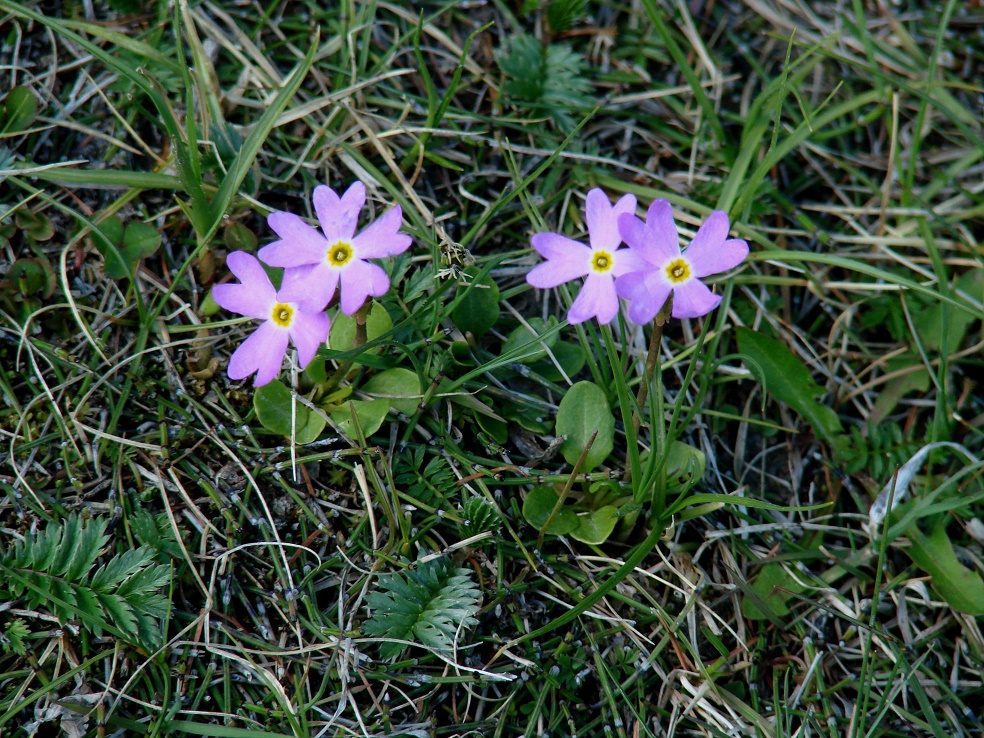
point(26, 285)
point(478, 516)
point(546, 80)
point(122, 247)
point(56, 569)
point(428, 604)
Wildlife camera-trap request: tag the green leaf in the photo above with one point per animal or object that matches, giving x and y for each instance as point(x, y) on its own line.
point(37, 226)
point(369, 413)
point(478, 309)
point(962, 588)
point(238, 237)
point(584, 410)
point(928, 321)
point(521, 336)
point(140, 240)
point(341, 337)
point(684, 466)
point(31, 276)
point(19, 110)
point(789, 381)
point(562, 14)
point(273, 409)
point(431, 604)
point(595, 527)
point(772, 589)
point(538, 505)
point(400, 386)
point(570, 356)
point(126, 246)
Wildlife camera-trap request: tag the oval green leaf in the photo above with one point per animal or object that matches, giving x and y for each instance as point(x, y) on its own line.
point(342, 334)
point(273, 409)
point(369, 414)
point(401, 386)
point(479, 308)
point(538, 505)
point(521, 336)
point(583, 411)
point(595, 527)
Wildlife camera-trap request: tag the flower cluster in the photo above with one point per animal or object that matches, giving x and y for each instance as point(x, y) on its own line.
point(645, 273)
point(315, 263)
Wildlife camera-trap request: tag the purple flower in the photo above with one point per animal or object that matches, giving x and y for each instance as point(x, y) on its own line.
point(600, 263)
point(667, 270)
point(263, 352)
point(317, 260)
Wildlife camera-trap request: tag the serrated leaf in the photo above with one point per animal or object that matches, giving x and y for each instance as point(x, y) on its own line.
point(111, 574)
point(583, 411)
point(789, 381)
point(71, 532)
point(429, 604)
point(83, 556)
point(119, 612)
point(962, 588)
point(273, 402)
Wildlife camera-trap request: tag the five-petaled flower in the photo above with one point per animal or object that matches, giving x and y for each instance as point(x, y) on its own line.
point(600, 264)
point(668, 270)
point(316, 261)
point(255, 296)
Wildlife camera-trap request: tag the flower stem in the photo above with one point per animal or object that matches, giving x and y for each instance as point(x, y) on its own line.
point(361, 316)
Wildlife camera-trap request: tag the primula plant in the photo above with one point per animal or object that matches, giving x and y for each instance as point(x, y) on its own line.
point(514, 368)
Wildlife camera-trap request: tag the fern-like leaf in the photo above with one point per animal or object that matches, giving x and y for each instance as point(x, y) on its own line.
point(428, 604)
point(548, 79)
point(14, 635)
point(562, 14)
point(54, 569)
point(479, 517)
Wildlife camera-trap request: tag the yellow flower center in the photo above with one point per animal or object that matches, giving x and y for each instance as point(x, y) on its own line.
point(339, 254)
point(282, 314)
point(602, 261)
point(678, 271)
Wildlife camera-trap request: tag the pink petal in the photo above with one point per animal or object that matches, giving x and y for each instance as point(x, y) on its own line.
point(359, 280)
point(628, 260)
point(299, 243)
point(659, 220)
point(263, 353)
point(597, 298)
point(555, 246)
point(657, 246)
point(602, 218)
point(381, 237)
point(693, 299)
point(647, 293)
point(556, 272)
point(311, 288)
point(709, 252)
point(339, 216)
point(255, 295)
point(308, 331)
point(566, 260)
